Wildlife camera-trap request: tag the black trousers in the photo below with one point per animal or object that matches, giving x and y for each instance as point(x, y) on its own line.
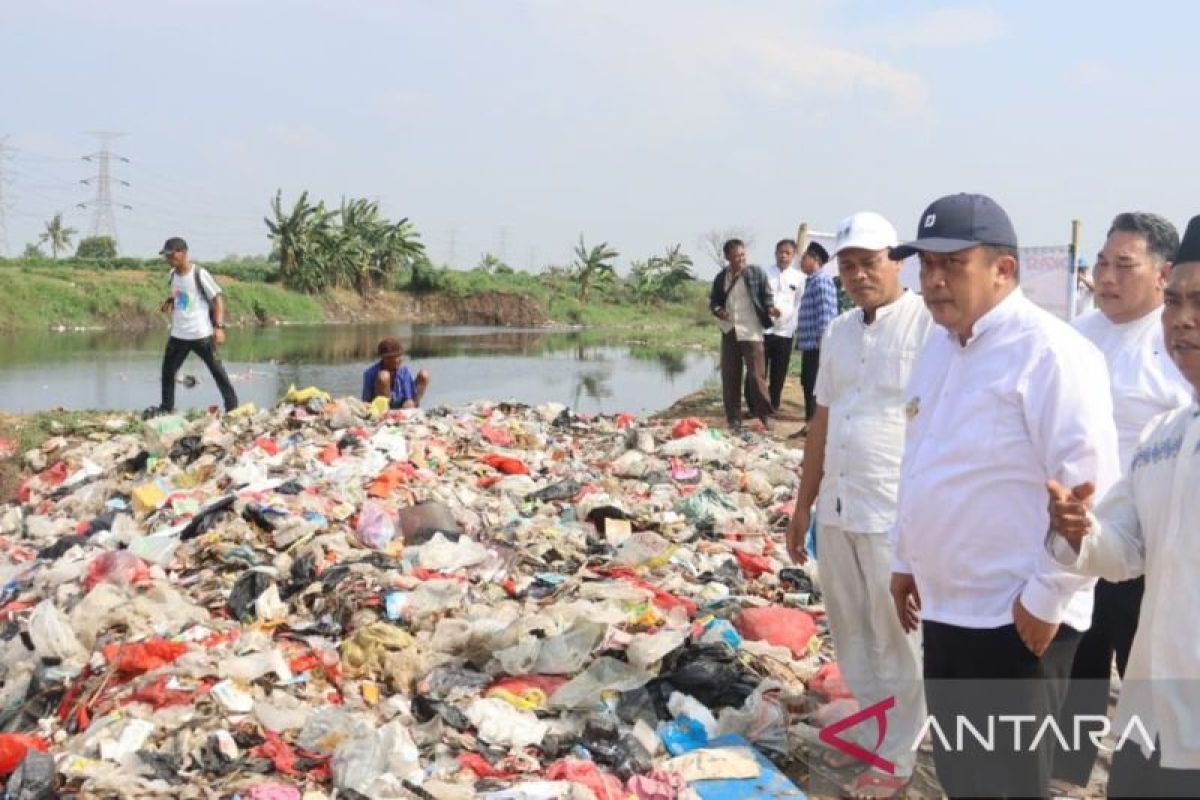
point(778, 352)
point(1114, 622)
point(177, 352)
point(1134, 775)
point(983, 675)
point(810, 361)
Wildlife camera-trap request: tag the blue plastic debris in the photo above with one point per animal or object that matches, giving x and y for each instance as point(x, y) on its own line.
point(682, 735)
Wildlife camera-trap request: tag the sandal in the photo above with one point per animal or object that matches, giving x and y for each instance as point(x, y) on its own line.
point(872, 785)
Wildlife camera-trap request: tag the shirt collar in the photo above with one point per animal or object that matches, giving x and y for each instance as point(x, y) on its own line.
point(884, 311)
point(1002, 313)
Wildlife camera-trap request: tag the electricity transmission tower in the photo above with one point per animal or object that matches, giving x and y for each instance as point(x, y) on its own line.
point(104, 223)
point(4, 156)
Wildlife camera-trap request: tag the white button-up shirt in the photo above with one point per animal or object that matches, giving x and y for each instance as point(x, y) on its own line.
point(989, 423)
point(864, 369)
point(1145, 381)
point(788, 287)
point(743, 319)
point(1148, 525)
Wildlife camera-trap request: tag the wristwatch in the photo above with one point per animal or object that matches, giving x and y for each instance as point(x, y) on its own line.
point(219, 326)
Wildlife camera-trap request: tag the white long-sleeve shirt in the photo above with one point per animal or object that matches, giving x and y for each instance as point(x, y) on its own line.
point(1025, 400)
point(864, 371)
point(787, 286)
point(1148, 524)
point(1145, 382)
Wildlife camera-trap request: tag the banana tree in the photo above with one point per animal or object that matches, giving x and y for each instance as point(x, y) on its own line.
point(592, 267)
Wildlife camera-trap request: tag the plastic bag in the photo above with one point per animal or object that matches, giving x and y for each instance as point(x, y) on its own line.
point(711, 673)
point(419, 523)
point(500, 724)
point(14, 747)
point(141, 657)
point(784, 627)
point(763, 720)
point(829, 683)
point(245, 592)
point(585, 773)
point(34, 779)
point(566, 653)
point(603, 676)
point(686, 427)
point(115, 566)
point(375, 528)
point(53, 636)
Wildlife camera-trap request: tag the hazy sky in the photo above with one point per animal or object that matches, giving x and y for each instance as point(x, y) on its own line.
point(520, 125)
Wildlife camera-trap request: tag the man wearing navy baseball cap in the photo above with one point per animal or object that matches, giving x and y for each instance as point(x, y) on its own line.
point(1003, 400)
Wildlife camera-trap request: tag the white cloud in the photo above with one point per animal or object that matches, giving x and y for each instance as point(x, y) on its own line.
point(951, 26)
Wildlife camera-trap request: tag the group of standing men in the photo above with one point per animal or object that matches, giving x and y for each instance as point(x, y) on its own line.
point(762, 315)
point(957, 444)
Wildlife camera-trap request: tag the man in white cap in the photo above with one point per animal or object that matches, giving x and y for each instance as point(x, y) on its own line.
point(852, 469)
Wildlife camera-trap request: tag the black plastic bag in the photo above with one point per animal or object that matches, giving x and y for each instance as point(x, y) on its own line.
point(245, 591)
point(208, 516)
point(711, 673)
point(563, 490)
point(185, 450)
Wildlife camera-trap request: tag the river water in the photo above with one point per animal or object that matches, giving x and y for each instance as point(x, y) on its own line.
point(110, 370)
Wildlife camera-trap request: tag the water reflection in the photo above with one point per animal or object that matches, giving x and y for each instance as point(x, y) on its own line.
point(116, 370)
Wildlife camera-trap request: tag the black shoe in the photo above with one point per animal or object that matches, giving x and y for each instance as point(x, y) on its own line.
point(154, 411)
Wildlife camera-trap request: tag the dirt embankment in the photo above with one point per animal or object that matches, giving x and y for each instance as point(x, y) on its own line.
point(485, 308)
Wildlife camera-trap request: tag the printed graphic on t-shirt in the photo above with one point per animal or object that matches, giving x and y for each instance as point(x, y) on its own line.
point(183, 300)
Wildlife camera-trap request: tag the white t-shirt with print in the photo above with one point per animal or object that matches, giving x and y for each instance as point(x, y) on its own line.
point(190, 320)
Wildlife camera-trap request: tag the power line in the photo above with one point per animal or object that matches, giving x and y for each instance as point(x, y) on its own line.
point(104, 222)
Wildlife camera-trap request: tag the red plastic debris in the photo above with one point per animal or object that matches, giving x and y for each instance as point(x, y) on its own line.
point(686, 427)
point(603, 785)
point(267, 445)
point(663, 599)
point(13, 747)
point(159, 695)
point(753, 565)
point(496, 436)
point(142, 657)
point(480, 766)
point(625, 420)
point(116, 566)
point(784, 627)
point(509, 466)
point(829, 683)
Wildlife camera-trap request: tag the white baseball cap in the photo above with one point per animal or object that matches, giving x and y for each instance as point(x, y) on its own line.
point(867, 230)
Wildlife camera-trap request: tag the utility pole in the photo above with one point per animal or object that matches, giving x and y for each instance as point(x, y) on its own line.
point(4, 156)
point(104, 222)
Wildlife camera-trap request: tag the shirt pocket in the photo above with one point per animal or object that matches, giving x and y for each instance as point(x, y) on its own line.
point(889, 370)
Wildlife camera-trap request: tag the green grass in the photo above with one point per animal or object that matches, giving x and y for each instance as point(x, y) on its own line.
point(73, 293)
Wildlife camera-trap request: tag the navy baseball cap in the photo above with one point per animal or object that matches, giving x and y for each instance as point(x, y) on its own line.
point(958, 222)
point(173, 245)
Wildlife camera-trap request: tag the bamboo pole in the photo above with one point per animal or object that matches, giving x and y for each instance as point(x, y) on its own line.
point(1072, 274)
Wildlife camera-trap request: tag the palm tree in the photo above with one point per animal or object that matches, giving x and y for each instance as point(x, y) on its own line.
point(593, 267)
point(57, 235)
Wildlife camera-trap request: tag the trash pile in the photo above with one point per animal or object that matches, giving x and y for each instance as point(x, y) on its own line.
point(327, 599)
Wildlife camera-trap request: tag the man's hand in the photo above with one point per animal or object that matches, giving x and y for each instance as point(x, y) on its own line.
point(907, 600)
point(721, 313)
point(219, 336)
point(167, 305)
point(774, 312)
point(1036, 634)
point(797, 533)
point(1069, 511)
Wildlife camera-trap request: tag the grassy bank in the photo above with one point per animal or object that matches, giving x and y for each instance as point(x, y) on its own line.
point(125, 295)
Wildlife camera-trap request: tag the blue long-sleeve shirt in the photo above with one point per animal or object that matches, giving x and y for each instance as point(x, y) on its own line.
point(818, 307)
